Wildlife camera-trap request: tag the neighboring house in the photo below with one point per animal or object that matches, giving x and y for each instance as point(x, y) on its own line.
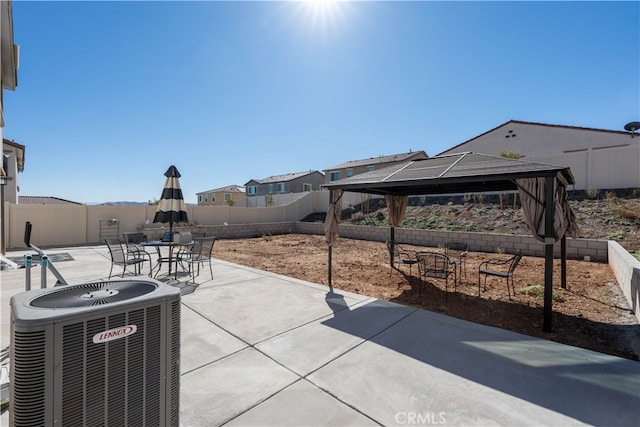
point(12, 163)
point(599, 159)
point(289, 183)
point(355, 167)
point(44, 200)
point(221, 196)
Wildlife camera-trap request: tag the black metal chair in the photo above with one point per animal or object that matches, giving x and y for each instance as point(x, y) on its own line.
point(201, 252)
point(119, 257)
point(133, 242)
point(437, 265)
point(400, 256)
point(499, 268)
point(457, 252)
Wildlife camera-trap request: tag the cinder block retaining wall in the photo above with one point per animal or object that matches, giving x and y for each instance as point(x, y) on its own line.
point(627, 271)
point(597, 250)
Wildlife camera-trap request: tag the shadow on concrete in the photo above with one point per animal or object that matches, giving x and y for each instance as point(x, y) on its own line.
point(622, 340)
point(594, 388)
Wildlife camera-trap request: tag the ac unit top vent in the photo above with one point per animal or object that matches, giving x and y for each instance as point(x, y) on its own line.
point(91, 294)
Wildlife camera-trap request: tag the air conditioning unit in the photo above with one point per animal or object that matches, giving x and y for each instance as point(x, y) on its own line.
point(103, 353)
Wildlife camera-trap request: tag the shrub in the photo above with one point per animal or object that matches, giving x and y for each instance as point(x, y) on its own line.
point(537, 291)
point(592, 193)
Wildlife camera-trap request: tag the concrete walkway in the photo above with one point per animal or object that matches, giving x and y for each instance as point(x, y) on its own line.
point(262, 349)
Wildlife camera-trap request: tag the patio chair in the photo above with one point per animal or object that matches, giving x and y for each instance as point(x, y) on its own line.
point(133, 242)
point(457, 252)
point(401, 256)
point(201, 252)
point(499, 268)
point(119, 257)
point(437, 265)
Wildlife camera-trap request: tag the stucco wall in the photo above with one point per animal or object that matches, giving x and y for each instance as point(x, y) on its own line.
point(598, 159)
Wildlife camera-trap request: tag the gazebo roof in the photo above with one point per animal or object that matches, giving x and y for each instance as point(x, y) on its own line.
point(448, 174)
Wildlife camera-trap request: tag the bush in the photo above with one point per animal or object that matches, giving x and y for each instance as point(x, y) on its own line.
point(537, 291)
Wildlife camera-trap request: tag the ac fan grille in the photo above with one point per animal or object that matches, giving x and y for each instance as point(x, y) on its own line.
point(175, 362)
point(28, 368)
point(113, 383)
point(92, 294)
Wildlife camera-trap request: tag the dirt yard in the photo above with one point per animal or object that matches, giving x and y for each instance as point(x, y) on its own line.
point(591, 313)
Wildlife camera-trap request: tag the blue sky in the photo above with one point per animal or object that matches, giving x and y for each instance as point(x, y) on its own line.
point(110, 94)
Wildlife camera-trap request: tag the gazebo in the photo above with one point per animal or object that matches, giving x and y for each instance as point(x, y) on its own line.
point(542, 189)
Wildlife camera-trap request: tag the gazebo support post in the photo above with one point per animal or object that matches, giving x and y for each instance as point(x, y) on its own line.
point(563, 256)
point(392, 237)
point(548, 255)
point(330, 248)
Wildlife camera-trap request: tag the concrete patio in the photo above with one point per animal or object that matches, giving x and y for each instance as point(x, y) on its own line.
point(263, 349)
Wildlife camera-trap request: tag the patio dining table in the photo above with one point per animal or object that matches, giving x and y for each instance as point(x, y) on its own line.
point(173, 256)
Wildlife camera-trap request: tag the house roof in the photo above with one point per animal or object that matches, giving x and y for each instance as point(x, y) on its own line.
point(451, 174)
point(283, 178)
point(448, 150)
point(400, 157)
point(227, 189)
point(44, 200)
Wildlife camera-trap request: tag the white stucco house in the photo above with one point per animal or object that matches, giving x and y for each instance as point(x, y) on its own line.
point(12, 154)
point(599, 159)
point(11, 164)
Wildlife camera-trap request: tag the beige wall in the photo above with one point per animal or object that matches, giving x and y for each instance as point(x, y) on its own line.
point(56, 225)
point(601, 169)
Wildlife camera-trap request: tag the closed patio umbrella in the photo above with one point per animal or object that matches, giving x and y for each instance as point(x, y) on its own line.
point(171, 207)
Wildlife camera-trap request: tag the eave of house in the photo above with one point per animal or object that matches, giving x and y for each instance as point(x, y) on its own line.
point(20, 152)
point(8, 50)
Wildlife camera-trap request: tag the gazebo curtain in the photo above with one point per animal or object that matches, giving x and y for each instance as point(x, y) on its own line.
point(397, 206)
point(533, 195)
point(333, 217)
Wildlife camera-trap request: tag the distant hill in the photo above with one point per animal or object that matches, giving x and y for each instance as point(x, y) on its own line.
point(119, 203)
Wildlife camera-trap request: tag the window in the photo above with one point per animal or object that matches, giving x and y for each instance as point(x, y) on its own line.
point(307, 187)
point(371, 168)
point(253, 189)
point(213, 198)
point(206, 199)
point(270, 188)
point(281, 187)
point(349, 172)
point(335, 176)
point(227, 197)
point(200, 198)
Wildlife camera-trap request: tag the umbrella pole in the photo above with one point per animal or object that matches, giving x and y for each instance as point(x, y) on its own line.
point(171, 247)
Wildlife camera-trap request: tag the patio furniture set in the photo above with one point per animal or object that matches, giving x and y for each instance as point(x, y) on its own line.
point(451, 260)
point(183, 256)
